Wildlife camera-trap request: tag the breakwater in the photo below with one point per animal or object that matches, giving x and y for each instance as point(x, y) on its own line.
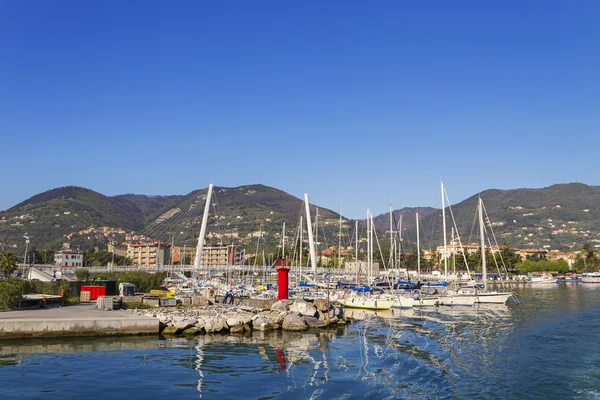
point(288, 315)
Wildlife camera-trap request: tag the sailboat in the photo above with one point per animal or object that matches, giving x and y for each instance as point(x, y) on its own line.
point(480, 293)
point(364, 300)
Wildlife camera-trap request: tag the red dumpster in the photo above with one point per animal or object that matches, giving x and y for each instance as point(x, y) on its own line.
point(95, 291)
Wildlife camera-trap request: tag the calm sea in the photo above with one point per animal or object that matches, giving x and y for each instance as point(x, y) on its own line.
point(545, 347)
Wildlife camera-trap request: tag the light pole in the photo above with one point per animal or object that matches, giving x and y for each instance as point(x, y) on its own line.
point(26, 249)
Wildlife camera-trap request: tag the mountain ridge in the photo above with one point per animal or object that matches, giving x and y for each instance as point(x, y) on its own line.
point(562, 216)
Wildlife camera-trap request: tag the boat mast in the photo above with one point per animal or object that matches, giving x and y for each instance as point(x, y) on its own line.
point(316, 232)
point(356, 249)
point(368, 246)
point(311, 243)
point(283, 242)
point(340, 240)
point(200, 246)
point(392, 247)
point(482, 234)
point(300, 242)
point(444, 228)
point(418, 250)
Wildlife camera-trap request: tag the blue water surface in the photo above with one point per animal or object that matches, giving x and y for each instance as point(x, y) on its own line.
point(547, 346)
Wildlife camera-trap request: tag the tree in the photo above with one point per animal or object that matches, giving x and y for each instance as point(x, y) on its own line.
point(8, 264)
point(82, 274)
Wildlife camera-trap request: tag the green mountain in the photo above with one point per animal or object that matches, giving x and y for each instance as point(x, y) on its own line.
point(86, 218)
point(48, 217)
point(563, 216)
point(235, 215)
point(559, 217)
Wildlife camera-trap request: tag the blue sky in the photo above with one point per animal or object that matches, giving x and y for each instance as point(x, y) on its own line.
point(353, 102)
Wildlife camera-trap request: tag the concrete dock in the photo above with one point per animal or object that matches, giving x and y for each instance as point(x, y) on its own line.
point(76, 320)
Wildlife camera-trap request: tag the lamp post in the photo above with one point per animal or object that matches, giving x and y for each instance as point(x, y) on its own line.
point(26, 249)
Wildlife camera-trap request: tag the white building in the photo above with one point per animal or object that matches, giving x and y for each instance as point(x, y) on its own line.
point(68, 259)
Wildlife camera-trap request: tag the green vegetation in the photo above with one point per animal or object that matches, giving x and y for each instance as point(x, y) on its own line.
point(528, 266)
point(11, 291)
point(93, 258)
point(8, 264)
point(82, 274)
point(143, 281)
point(587, 260)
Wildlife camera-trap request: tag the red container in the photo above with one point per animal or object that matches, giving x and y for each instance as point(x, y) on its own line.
point(95, 291)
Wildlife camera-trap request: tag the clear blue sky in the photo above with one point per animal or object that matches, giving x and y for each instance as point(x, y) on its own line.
point(353, 102)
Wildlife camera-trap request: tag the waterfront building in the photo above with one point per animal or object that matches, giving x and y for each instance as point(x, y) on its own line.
point(223, 255)
point(68, 259)
point(149, 254)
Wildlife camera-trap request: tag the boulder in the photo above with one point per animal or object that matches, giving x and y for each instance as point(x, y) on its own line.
point(237, 318)
point(193, 331)
point(247, 328)
point(214, 324)
point(294, 322)
point(262, 323)
point(282, 305)
point(169, 330)
point(303, 308)
point(183, 323)
point(322, 304)
point(236, 329)
point(313, 322)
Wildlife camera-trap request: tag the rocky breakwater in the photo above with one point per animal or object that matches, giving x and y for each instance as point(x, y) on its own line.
point(289, 315)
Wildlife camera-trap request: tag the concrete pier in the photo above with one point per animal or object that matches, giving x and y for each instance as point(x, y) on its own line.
point(77, 320)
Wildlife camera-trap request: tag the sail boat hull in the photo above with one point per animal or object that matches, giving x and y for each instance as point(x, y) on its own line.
point(367, 303)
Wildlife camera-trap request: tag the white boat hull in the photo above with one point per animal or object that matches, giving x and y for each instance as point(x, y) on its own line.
point(457, 300)
point(367, 303)
point(426, 302)
point(493, 298)
point(404, 302)
point(591, 277)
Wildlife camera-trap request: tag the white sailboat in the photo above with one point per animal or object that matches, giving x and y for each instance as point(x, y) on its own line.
point(367, 301)
point(482, 294)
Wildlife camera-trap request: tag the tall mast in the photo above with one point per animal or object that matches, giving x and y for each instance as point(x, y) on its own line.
point(311, 243)
point(316, 231)
point(453, 253)
point(392, 247)
point(418, 250)
point(368, 247)
point(356, 249)
point(444, 228)
point(482, 234)
point(340, 240)
point(200, 246)
point(300, 261)
point(283, 241)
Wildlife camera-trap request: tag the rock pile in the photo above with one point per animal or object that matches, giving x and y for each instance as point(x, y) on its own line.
point(289, 315)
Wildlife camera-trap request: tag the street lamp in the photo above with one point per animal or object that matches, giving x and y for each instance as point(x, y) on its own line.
point(26, 249)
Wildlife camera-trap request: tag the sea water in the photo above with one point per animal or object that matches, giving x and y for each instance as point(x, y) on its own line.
point(545, 346)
